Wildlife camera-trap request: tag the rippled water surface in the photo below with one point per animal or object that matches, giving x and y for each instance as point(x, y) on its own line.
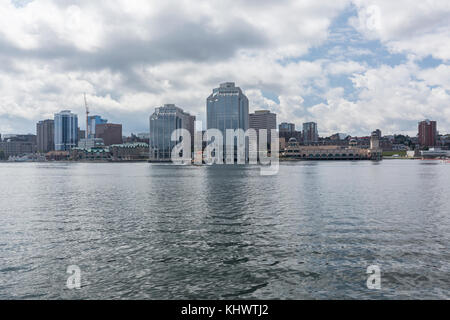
point(141, 231)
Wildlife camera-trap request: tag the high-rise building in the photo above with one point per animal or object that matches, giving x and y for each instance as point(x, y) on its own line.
point(45, 131)
point(310, 133)
point(163, 122)
point(286, 127)
point(110, 133)
point(287, 131)
point(93, 122)
point(66, 130)
point(427, 133)
point(263, 119)
point(227, 108)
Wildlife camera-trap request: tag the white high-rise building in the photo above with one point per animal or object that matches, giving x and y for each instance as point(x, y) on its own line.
point(66, 130)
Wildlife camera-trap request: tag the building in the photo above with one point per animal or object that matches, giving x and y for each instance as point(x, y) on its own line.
point(10, 148)
point(144, 137)
point(329, 153)
point(434, 153)
point(140, 137)
point(58, 155)
point(163, 122)
point(45, 132)
point(377, 133)
point(66, 130)
point(287, 131)
point(99, 153)
point(81, 134)
point(310, 133)
point(286, 127)
point(427, 133)
point(93, 121)
point(302, 152)
point(263, 119)
point(17, 145)
point(110, 133)
point(29, 138)
point(129, 151)
point(90, 143)
point(227, 109)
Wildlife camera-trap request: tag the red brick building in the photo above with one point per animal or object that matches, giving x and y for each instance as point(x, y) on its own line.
point(109, 132)
point(427, 133)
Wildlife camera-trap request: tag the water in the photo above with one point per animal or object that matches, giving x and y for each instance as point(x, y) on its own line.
point(141, 231)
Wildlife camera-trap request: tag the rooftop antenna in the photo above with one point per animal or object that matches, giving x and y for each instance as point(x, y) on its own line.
point(87, 116)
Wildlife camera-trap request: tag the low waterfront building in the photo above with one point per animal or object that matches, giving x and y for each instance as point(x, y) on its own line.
point(295, 150)
point(117, 152)
point(57, 155)
point(130, 151)
point(435, 153)
point(90, 154)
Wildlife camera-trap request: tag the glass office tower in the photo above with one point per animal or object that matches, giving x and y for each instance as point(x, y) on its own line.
point(310, 133)
point(66, 130)
point(227, 108)
point(163, 122)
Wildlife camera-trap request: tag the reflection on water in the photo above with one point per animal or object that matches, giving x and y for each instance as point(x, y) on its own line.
point(141, 231)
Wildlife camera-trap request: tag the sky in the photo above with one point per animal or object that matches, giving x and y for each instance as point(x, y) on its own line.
point(351, 66)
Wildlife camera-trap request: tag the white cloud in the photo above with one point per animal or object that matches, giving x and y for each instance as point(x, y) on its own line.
point(345, 67)
point(420, 27)
point(393, 99)
point(131, 56)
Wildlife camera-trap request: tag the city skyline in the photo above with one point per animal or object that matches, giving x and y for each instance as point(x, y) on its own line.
point(97, 119)
point(224, 159)
point(350, 66)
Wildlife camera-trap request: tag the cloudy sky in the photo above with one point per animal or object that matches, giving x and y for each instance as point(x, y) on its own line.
point(352, 66)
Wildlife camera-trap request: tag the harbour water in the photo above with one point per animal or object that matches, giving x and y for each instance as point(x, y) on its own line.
point(142, 231)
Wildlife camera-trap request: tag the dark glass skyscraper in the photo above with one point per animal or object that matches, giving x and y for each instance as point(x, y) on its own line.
point(310, 133)
point(227, 108)
point(66, 131)
point(163, 122)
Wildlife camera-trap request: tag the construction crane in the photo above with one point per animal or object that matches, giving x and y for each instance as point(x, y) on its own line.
point(87, 116)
